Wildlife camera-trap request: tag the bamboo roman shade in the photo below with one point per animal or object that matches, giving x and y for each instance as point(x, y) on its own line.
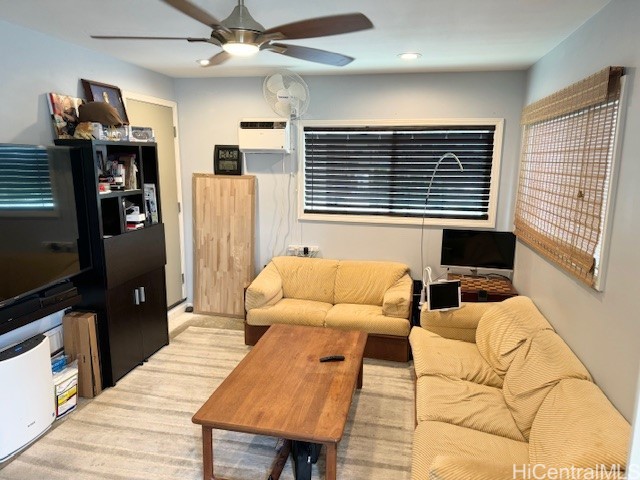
point(385, 171)
point(566, 160)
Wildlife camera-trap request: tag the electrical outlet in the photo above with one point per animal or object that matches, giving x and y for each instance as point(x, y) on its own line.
point(303, 250)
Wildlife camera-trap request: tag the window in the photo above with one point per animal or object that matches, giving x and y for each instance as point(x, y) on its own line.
point(379, 173)
point(25, 184)
point(567, 174)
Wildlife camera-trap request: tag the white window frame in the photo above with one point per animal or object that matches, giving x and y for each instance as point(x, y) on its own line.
point(490, 222)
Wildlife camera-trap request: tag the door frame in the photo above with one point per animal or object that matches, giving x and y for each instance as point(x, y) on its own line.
point(126, 95)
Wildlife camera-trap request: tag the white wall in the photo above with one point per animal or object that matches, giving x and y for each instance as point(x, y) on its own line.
point(602, 328)
point(34, 64)
point(210, 110)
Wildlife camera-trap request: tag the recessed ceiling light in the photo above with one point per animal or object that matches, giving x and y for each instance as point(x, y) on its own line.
point(409, 56)
point(203, 62)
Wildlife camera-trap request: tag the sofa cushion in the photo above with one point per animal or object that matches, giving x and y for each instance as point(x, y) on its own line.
point(459, 324)
point(576, 425)
point(290, 310)
point(434, 355)
point(455, 468)
point(365, 282)
point(307, 278)
point(504, 328)
point(366, 318)
point(537, 367)
point(434, 439)
point(466, 404)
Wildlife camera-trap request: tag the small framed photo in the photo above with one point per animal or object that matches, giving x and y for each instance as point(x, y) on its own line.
point(227, 160)
point(101, 92)
point(64, 114)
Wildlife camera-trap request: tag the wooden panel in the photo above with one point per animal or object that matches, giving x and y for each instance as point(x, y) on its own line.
point(223, 242)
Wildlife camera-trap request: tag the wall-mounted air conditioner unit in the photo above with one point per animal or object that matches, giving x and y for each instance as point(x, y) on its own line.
point(264, 136)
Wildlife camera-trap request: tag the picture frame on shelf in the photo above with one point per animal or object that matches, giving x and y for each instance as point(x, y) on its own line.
point(64, 114)
point(103, 92)
point(227, 160)
point(151, 203)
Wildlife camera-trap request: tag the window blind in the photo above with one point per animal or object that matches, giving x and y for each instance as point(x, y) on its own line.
point(565, 173)
point(25, 183)
point(386, 171)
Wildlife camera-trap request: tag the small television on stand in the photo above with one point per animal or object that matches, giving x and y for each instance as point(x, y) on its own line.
point(478, 250)
point(43, 220)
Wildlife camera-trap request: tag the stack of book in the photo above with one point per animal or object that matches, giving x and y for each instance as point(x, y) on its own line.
point(135, 220)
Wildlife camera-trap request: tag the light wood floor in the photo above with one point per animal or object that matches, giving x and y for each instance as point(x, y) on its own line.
point(179, 323)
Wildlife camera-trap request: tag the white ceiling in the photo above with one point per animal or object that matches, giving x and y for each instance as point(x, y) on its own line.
point(451, 35)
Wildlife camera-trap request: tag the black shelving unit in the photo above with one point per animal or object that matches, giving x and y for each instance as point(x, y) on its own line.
point(126, 286)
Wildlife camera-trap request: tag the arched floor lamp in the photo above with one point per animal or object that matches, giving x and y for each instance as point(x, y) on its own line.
point(424, 213)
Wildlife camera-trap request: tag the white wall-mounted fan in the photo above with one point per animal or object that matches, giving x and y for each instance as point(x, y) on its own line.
point(286, 93)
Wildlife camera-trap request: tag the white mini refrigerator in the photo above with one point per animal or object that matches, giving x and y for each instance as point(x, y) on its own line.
point(27, 407)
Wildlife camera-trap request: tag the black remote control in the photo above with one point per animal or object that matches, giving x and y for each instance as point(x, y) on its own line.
point(332, 358)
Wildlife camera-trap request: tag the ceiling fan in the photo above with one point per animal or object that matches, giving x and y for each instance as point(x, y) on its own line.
point(239, 34)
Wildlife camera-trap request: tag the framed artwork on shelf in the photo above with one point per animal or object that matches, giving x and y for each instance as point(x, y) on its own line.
point(227, 160)
point(102, 92)
point(151, 202)
point(64, 114)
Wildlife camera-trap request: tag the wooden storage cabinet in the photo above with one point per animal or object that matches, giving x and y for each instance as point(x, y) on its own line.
point(223, 240)
point(126, 285)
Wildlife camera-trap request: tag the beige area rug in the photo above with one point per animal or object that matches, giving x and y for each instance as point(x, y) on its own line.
point(141, 428)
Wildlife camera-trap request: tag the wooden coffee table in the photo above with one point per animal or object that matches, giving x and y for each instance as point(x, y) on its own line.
point(280, 389)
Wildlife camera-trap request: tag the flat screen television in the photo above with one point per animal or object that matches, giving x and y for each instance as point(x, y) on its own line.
point(44, 236)
point(478, 249)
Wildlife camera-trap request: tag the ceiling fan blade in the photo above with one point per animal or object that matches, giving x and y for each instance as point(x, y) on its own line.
point(217, 59)
point(120, 37)
point(323, 26)
point(196, 13)
point(311, 54)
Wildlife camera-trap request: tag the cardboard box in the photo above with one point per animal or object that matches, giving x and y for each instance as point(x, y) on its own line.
point(81, 344)
point(66, 389)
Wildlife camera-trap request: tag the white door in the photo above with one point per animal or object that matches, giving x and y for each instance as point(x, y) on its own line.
point(159, 115)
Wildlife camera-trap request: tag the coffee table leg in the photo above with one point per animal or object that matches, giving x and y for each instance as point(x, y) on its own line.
point(359, 385)
point(332, 460)
point(207, 453)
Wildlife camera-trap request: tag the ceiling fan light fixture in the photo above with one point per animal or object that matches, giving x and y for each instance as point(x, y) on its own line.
point(240, 49)
point(410, 55)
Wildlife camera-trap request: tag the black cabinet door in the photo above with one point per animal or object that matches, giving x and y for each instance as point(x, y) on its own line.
point(125, 333)
point(153, 312)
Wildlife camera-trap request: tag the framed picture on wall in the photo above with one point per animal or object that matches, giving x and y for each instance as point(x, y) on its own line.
point(102, 92)
point(227, 160)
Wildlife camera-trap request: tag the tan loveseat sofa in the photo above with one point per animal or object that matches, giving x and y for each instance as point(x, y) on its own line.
point(374, 297)
point(514, 402)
